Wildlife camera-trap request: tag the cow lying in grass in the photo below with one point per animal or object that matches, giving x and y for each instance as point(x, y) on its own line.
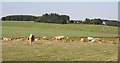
point(31, 38)
point(7, 39)
point(90, 39)
point(59, 38)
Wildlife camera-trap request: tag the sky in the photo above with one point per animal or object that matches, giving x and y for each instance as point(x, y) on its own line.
point(60, 0)
point(76, 10)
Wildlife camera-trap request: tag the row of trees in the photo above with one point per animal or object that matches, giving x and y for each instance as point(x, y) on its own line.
point(100, 22)
point(45, 18)
point(53, 18)
point(58, 19)
point(19, 18)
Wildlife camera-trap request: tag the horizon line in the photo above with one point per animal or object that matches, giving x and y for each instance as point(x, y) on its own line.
point(62, 14)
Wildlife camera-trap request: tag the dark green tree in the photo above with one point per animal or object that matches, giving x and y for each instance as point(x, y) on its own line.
point(53, 18)
point(96, 21)
point(87, 21)
point(19, 18)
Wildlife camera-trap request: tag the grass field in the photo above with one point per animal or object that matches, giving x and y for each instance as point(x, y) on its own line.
point(49, 50)
point(23, 29)
point(58, 51)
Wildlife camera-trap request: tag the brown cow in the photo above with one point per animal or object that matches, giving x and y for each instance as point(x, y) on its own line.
point(31, 38)
point(7, 39)
point(59, 38)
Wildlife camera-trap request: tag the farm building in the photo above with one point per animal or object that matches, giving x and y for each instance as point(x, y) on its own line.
point(104, 23)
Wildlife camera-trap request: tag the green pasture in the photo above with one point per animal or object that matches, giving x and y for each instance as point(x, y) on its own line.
point(58, 51)
point(50, 50)
point(15, 29)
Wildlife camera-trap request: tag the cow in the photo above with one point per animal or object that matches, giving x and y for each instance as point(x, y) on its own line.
point(59, 38)
point(82, 39)
point(36, 39)
point(91, 39)
point(44, 37)
point(7, 39)
point(31, 38)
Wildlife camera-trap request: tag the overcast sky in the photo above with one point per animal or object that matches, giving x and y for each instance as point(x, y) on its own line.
point(76, 10)
point(60, 0)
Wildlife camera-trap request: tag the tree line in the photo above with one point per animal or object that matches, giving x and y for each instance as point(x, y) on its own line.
point(58, 19)
point(45, 18)
point(19, 18)
point(100, 22)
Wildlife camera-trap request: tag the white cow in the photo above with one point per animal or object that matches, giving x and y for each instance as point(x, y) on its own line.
point(91, 39)
point(59, 38)
point(82, 39)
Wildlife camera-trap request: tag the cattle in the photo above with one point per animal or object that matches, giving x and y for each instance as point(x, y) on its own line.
point(82, 39)
point(37, 39)
point(91, 39)
point(31, 38)
point(7, 39)
point(59, 38)
point(44, 37)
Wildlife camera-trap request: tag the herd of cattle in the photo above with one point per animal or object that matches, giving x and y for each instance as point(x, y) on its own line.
point(32, 38)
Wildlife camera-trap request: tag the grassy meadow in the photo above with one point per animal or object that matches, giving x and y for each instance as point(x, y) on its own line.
point(15, 29)
point(50, 50)
point(58, 51)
